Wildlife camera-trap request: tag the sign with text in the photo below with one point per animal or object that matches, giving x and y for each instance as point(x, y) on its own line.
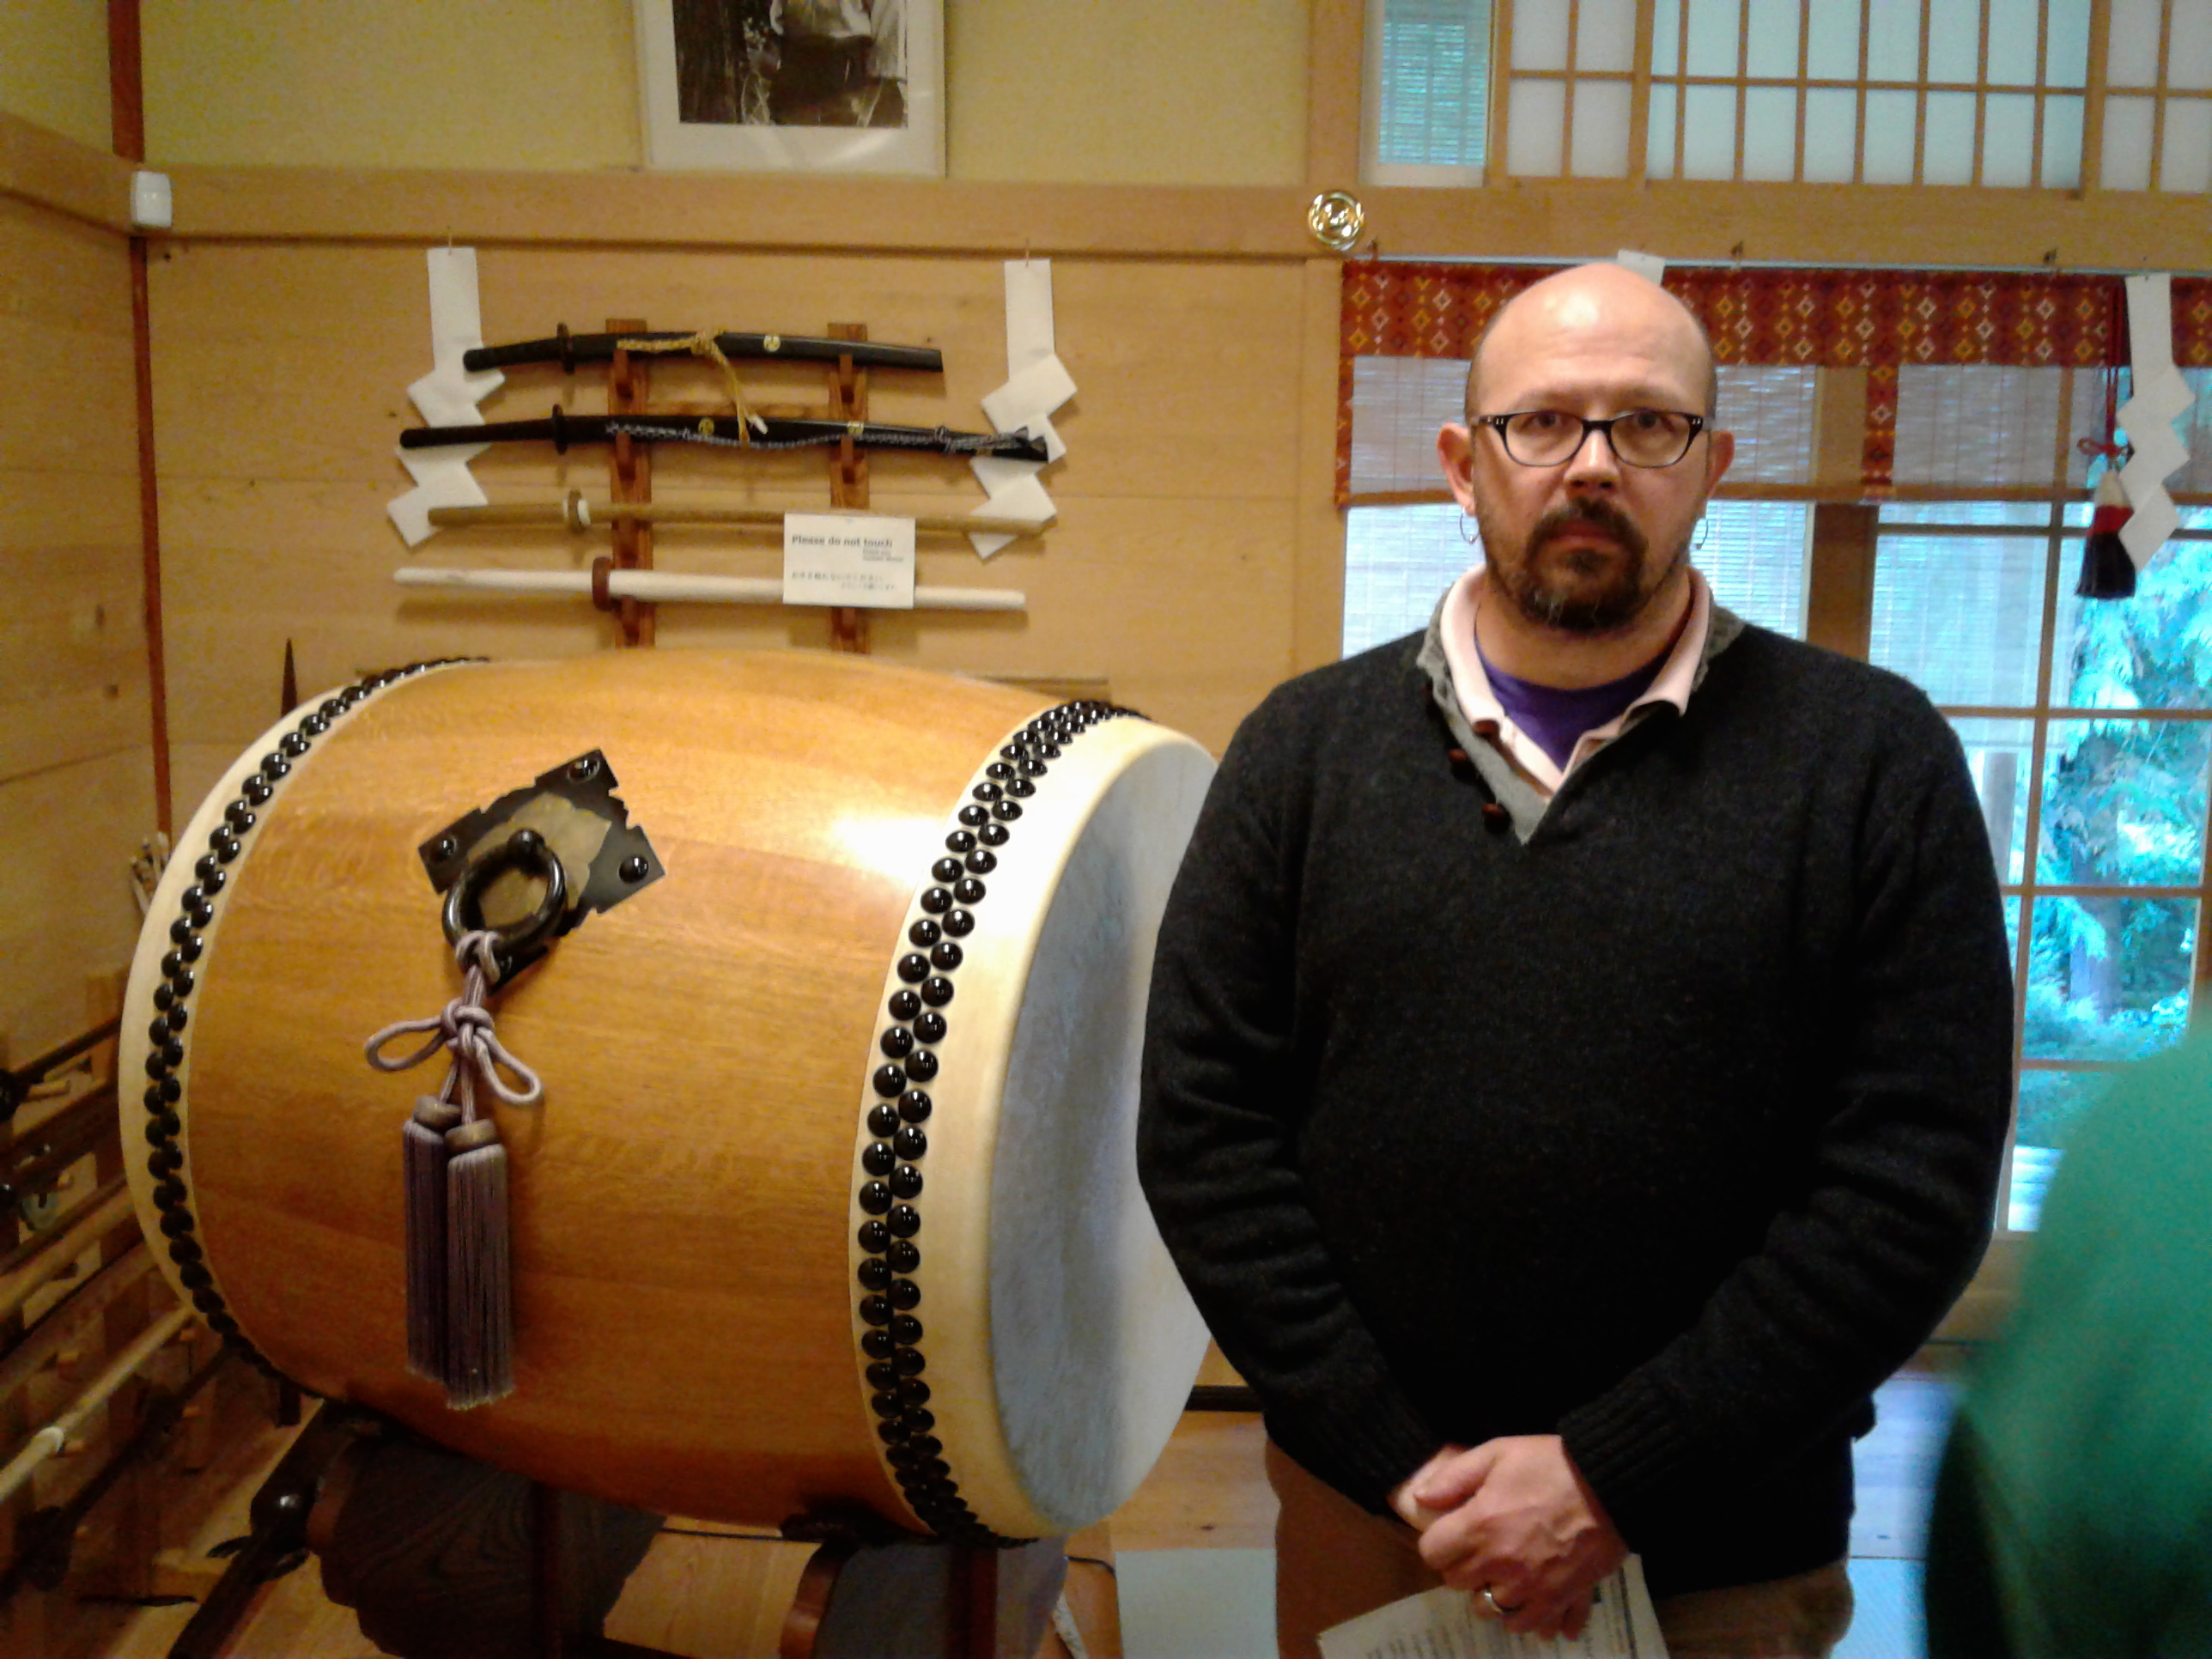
point(839, 558)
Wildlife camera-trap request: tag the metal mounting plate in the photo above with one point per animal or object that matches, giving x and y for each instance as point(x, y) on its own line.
point(605, 856)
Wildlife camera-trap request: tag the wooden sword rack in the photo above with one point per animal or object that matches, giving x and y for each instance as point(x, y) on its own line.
point(630, 485)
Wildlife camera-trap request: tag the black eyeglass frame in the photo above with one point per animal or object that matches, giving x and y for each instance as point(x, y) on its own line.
point(1497, 424)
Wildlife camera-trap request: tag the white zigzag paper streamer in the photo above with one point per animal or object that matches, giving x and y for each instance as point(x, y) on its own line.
point(1036, 384)
point(446, 396)
point(2160, 394)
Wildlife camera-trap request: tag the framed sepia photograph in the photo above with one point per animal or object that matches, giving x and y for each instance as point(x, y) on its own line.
point(793, 86)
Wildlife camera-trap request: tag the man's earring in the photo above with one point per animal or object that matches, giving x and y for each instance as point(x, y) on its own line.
point(1468, 532)
point(1703, 524)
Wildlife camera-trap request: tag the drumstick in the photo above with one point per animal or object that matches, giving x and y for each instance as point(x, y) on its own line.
point(81, 1228)
point(49, 1441)
point(579, 515)
point(665, 586)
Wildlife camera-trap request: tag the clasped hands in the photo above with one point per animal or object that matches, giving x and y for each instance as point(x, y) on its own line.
point(1514, 1517)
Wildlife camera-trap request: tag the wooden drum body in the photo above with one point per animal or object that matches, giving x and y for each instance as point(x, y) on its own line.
point(691, 1201)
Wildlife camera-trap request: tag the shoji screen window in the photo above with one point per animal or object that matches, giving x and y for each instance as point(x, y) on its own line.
point(2158, 96)
point(2088, 727)
point(1572, 98)
point(1935, 92)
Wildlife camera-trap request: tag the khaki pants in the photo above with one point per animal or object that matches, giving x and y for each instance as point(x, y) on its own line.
point(1333, 1561)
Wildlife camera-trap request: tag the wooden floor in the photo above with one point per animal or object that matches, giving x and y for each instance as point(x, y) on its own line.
point(706, 1592)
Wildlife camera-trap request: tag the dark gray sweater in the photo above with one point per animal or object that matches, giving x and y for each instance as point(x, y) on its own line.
point(1674, 1130)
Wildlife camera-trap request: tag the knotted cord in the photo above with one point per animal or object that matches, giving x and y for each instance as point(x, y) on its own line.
point(704, 344)
point(465, 1027)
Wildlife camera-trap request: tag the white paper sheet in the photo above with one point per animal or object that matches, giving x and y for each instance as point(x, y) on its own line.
point(1037, 391)
point(848, 559)
point(1644, 264)
point(1028, 312)
point(1442, 1623)
point(448, 394)
point(1014, 493)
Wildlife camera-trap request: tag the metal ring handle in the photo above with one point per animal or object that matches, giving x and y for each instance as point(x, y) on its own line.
point(527, 850)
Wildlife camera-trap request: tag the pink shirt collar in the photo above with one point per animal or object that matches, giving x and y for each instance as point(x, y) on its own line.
point(1490, 721)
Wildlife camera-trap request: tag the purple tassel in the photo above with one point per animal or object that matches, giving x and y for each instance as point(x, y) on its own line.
point(479, 1281)
point(423, 1143)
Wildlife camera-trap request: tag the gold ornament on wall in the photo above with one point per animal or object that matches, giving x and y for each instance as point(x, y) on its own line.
point(1336, 220)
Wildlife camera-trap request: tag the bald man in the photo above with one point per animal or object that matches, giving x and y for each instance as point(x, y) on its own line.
point(1579, 1050)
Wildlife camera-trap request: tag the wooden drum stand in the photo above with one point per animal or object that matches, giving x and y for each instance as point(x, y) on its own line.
point(442, 1557)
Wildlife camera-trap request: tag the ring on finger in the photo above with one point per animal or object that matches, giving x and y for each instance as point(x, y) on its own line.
point(1496, 1606)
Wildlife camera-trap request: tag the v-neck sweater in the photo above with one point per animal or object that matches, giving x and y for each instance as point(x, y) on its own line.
point(1671, 1128)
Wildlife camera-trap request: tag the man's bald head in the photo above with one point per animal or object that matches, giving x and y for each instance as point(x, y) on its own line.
point(1583, 296)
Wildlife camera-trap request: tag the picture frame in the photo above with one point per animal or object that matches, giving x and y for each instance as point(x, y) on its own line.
point(792, 86)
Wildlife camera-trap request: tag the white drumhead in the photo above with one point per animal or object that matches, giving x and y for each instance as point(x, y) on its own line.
point(1060, 1343)
point(1094, 1341)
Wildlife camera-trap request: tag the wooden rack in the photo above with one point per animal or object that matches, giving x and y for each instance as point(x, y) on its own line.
point(630, 476)
point(106, 1411)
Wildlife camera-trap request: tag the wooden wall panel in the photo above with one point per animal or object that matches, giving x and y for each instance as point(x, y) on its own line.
point(65, 337)
point(280, 377)
point(72, 641)
point(66, 907)
point(75, 783)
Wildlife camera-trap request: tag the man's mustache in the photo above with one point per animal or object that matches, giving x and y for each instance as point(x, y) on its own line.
point(1597, 514)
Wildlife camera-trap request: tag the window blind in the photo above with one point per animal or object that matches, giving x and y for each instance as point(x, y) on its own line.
point(1434, 104)
point(1979, 425)
point(1398, 403)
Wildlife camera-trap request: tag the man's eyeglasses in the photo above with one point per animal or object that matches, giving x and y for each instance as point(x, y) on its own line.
point(1641, 437)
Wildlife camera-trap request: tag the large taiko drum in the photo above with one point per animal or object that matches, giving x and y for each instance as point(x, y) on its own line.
point(814, 1211)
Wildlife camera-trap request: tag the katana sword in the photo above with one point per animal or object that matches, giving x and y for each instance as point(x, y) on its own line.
point(569, 350)
point(724, 432)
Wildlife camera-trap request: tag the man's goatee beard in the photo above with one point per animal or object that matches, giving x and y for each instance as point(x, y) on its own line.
point(1549, 604)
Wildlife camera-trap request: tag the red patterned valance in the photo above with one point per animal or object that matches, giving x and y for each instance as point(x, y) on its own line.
point(1872, 320)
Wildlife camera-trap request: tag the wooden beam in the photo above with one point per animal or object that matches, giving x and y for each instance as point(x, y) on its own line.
point(126, 94)
point(127, 82)
point(740, 211)
point(1318, 579)
point(1703, 222)
point(1839, 429)
point(45, 168)
point(1639, 91)
point(1334, 72)
point(1695, 220)
point(2093, 100)
point(1840, 608)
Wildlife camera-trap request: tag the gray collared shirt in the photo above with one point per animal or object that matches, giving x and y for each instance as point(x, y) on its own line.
point(1520, 798)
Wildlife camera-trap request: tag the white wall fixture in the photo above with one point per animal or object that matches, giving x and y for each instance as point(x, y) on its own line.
point(151, 208)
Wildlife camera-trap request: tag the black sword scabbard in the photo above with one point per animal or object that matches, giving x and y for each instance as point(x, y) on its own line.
point(569, 350)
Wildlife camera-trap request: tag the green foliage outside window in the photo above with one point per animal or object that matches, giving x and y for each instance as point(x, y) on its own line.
point(2124, 804)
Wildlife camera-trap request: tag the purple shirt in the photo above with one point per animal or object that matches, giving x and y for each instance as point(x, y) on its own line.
point(1557, 716)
